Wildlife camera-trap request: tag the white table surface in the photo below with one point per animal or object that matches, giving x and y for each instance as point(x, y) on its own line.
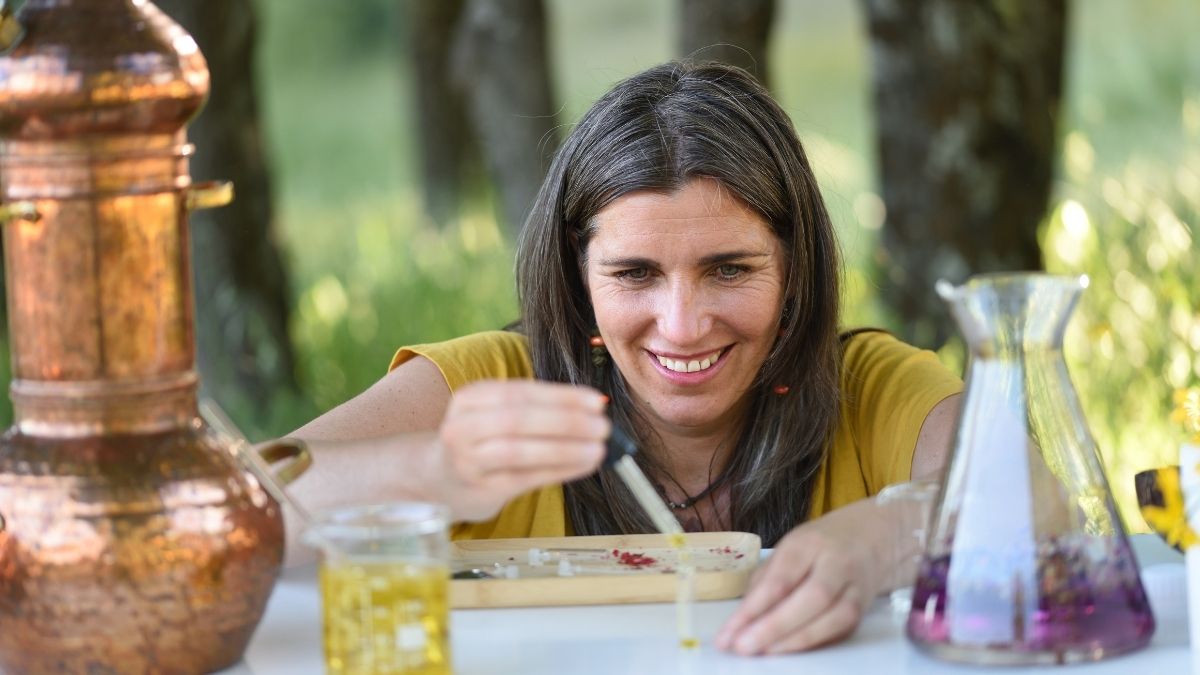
point(622, 639)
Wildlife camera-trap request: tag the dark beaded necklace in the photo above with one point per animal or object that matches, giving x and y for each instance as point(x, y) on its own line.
point(691, 500)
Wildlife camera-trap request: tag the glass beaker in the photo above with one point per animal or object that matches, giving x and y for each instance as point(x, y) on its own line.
point(385, 580)
point(910, 505)
point(1026, 559)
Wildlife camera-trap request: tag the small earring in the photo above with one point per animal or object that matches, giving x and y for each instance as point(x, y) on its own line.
point(599, 358)
point(784, 317)
point(599, 353)
point(781, 389)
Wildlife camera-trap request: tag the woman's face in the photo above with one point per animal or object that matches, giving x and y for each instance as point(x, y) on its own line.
point(687, 290)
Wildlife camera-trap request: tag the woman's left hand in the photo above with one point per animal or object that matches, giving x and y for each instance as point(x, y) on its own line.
point(814, 588)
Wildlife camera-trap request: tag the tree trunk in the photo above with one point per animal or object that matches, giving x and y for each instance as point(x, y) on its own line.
point(244, 353)
point(731, 32)
point(501, 65)
point(966, 98)
point(447, 149)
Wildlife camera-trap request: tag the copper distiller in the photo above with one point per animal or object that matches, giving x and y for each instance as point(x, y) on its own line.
point(132, 540)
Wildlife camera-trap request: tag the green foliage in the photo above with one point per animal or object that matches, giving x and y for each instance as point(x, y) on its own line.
point(313, 31)
point(1126, 214)
point(399, 282)
point(1136, 336)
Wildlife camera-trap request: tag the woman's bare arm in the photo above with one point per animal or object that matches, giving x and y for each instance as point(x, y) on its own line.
point(407, 438)
point(932, 453)
point(411, 398)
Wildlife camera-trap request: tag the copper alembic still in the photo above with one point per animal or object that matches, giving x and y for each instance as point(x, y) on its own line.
point(132, 539)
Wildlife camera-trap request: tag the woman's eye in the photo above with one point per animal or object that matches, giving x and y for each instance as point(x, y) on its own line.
point(730, 271)
point(635, 274)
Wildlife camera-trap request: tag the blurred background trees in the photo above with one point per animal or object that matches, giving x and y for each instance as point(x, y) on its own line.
point(448, 156)
point(966, 112)
point(501, 64)
point(243, 301)
point(482, 88)
point(405, 139)
point(731, 32)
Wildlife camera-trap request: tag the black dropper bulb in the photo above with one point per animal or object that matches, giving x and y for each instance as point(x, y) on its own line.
point(619, 444)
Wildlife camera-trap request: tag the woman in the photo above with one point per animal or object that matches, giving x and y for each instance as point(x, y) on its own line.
point(678, 272)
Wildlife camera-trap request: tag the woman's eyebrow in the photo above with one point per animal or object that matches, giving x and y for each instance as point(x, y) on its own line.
point(712, 259)
point(627, 262)
point(732, 256)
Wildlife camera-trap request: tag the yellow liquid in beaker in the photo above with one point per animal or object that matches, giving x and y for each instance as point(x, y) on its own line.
point(384, 618)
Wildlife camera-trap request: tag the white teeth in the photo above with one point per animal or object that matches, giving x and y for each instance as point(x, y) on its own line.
point(689, 366)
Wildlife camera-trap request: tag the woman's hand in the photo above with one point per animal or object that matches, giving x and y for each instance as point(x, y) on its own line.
point(500, 439)
point(816, 585)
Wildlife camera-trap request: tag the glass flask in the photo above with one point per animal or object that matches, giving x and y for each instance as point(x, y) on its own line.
point(1026, 560)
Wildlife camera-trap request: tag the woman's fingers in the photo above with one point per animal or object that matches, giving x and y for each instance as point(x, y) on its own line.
point(518, 393)
point(776, 578)
point(524, 426)
point(813, 589)
point(518, 482)
point(788, 613)
point(516, 455)
point(533, 421)
point(834, 623)
point(502, 438)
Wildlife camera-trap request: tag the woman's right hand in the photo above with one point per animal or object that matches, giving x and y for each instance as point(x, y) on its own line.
point(502, 438)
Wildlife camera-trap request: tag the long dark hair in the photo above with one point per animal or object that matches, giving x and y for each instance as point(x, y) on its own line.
point(656, 131)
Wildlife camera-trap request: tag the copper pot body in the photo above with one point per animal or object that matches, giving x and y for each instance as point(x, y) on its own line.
point(132, 540)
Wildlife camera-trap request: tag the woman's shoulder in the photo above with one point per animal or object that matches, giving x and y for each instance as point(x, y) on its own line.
point(888, 388)
point(878, 365)
point(866, 349)
point(867, 337)
point(488, 355)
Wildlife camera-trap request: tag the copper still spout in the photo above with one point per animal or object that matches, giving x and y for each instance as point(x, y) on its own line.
point(131, 540)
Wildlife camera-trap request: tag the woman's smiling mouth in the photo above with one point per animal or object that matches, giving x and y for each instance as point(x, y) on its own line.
point(689, 366)
point(689, 370)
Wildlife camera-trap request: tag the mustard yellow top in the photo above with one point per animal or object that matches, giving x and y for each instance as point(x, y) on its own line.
point(888, 388)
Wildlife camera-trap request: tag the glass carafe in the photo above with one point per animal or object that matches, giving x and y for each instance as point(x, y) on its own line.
point(1026, 558)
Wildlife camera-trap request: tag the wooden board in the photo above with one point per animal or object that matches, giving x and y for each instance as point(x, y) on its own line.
point(605, 569)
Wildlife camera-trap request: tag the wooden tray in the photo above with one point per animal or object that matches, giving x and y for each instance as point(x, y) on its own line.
point(606, 569)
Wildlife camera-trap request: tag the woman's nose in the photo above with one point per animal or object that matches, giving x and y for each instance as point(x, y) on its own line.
point(683, 318)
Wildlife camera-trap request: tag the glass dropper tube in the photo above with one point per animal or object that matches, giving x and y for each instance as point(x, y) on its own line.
point(620, 458)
